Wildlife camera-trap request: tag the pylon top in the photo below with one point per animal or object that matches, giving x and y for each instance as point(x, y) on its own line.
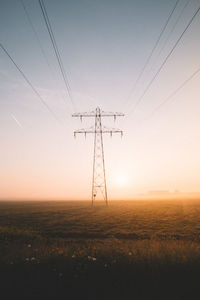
point(102, 113)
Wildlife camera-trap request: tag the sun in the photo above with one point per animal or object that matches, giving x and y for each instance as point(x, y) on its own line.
point(121, 180)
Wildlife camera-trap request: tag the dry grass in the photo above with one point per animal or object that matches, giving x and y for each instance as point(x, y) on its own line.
point(153, 243)
point(122, 219)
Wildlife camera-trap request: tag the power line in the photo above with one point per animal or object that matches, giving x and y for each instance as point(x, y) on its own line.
point(174, 92)
point(39, 43)
point(165, 60)
point(172, 29)
point(29, 83)
point(35, 33)
point(55, 47)
point(153, 49)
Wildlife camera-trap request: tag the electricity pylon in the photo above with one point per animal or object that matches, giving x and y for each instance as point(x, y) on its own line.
point(99, 174)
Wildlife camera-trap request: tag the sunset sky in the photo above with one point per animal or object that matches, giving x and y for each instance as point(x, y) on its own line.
point(104, 46)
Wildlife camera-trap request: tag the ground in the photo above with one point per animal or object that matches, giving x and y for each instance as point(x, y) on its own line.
point(137, 249)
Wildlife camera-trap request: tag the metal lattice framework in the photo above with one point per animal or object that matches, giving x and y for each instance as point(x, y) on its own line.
point(99, 174)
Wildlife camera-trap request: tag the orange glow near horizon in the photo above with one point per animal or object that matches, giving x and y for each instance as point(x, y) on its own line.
point(103, 49)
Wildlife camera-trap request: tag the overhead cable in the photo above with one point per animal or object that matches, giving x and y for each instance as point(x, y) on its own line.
point(175, 92)
point(35, 33)
point(55, 47)
point(153, 49)
point(165, 60)
point(29, 83)
point(172, 29)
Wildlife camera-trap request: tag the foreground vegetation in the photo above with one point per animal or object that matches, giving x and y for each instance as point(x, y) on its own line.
point(130, 250)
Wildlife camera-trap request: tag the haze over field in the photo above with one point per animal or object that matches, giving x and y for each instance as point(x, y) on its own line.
point(104, 46)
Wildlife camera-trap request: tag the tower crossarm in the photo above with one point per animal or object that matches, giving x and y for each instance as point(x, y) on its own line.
point(97, 113)
point(111, 114)
point(84, 131)
point(110, 131)
point(84, 114)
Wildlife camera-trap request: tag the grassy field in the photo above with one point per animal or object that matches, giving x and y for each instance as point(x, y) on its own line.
point(129, 250)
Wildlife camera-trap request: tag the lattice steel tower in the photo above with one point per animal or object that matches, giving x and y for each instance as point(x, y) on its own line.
point(99, 175)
